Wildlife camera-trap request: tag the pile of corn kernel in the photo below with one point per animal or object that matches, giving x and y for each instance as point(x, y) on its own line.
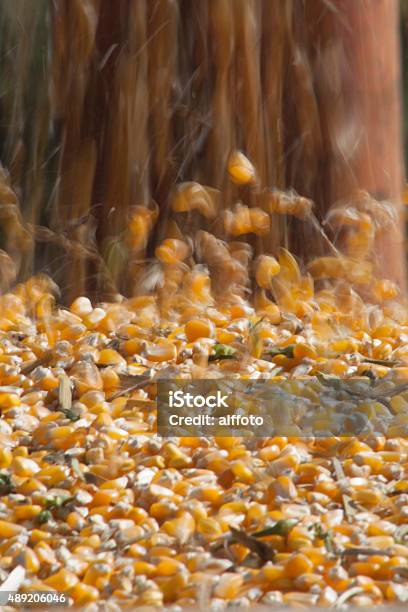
point(94, 504)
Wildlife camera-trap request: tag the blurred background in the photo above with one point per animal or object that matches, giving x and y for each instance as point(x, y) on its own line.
point(404, 60)
point(107, 105)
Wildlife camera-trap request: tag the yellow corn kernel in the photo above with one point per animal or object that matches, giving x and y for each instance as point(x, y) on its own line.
point(51, 475)
point(329, 488)
point(161, 510)
point(284, 488)
point(182, 528)
point(168, 567)
point(248, 220)
point(84, 593)
point(30, 560)
point(369, 497)
point(61, 433)
point(9, 530)
point(344, 345)
point(364, 568)
point(299, 537)
point(174, 457)
point(273, 572)
point(144, 568)
point(306, 581)
point(98, 575)
point(39, 535)
point(199, 328)
point(399, 404)
point(105, 497)
point(22, 466)
point(62, 581)
point(44, 553)
point(266, 267)
point(81, 306)
point(170, 586)
point(86, 377)
point(133, 346)
point(163, 351)
point(26, 512)
point(193, 196)
point(209, 528)
point(20, 451)
point(240, 169)
point(239, 452)
point(303, 350)
point(371, 459)
point(284, 462)
point(75, 520)
point(269, 453)
point(110, 357)
point(228, 586)
point(6, 458)
point(242, 472)
point(171, 251)
point(385, 290)
point(110, 379)
point(338, 578)
point(9, 400)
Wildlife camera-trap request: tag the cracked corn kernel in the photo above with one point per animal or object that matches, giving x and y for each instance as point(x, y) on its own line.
point(44, 552)
point(163, 351)
point(30, 560)
point(228, 586)
point(283, 488)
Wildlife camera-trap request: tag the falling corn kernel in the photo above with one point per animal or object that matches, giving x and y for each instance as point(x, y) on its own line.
point(240, 169)
point(266, 268)
point(199, 328)
point(193, 196)
point(172, 251)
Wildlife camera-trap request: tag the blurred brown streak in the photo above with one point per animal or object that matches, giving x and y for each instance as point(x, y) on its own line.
point(356, 61)
point(74, 29)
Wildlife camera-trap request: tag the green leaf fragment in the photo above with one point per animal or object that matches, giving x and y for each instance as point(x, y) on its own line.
point(330, 381)
point(6, 484)
point(71, 415)
point(286, 351)
point(222, 351)
point(57, 502)
point(282, 527)
point(44, 517)
point(325, 535)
